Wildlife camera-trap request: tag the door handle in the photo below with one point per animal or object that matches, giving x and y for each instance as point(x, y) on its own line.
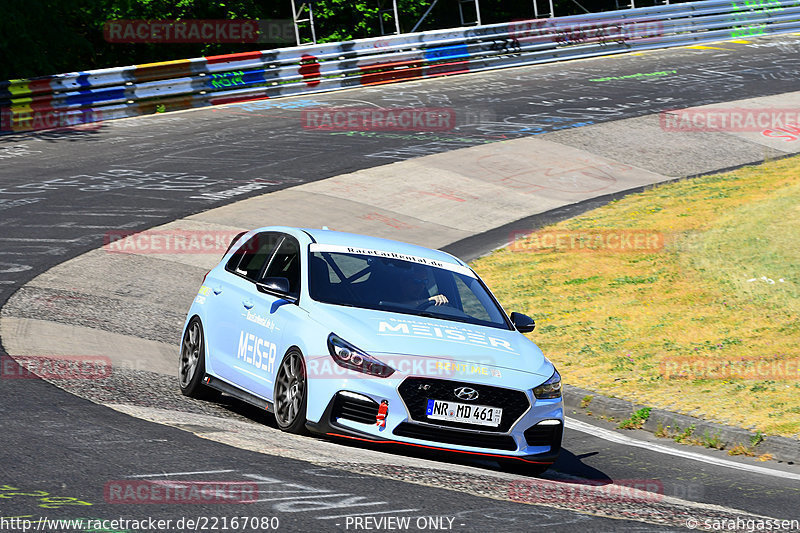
point(217, 289)
point(248, 304)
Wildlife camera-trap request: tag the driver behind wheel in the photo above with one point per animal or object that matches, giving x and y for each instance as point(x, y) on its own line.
point(416, 288)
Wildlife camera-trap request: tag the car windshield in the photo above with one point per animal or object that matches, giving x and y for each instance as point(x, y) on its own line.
point(411, 285)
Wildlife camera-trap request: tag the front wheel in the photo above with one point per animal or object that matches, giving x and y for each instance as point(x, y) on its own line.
point(291, 393)
point(192, 364)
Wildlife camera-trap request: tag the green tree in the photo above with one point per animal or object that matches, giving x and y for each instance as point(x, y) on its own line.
point(41, 37)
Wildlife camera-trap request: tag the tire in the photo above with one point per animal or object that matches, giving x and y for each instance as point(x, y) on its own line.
point(192, 364)
point(291, 393)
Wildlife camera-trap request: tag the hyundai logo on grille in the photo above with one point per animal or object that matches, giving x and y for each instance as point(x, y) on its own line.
point(466, 393)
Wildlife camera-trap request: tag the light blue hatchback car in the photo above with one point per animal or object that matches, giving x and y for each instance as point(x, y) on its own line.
point(371, 339)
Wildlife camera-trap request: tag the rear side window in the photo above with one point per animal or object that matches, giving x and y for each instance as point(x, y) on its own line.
point(250, 258)
point(286, 264)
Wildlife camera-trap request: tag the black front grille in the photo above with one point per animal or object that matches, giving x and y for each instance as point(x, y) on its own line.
point(417, 391)
point(355, 409)
point(540, 435)
point(453, 436)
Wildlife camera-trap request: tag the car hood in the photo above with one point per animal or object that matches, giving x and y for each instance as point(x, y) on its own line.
point(396, 334)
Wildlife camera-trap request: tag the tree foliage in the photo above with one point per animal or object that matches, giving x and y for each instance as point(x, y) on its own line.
point(40, 37)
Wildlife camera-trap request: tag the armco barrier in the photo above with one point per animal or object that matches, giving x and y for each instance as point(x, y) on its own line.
point(82, 97)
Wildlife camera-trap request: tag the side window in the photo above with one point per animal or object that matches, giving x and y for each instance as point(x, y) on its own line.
point(286, 264)
point(250, 258)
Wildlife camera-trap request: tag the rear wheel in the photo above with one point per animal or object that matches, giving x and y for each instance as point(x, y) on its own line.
point(192, 365)
point(291, 393)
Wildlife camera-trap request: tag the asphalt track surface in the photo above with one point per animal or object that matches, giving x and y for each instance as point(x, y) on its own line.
point(61, 192)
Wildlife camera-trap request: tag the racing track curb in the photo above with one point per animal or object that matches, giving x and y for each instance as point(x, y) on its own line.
point(577, 400)
point(471, 240)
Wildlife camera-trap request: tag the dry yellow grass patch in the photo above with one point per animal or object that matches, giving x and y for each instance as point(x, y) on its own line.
point(611, 321)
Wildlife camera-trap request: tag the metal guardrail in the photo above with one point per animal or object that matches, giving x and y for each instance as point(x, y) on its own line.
point(85, 97)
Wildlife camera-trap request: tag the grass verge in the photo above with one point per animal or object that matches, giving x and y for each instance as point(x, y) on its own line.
point(706, 321)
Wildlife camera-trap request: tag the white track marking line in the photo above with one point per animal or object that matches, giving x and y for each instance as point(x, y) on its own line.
point(167, 474)
point(139, 215)
point(398, 511)
point(310, 496)
point(613, 436)
point(26, 239)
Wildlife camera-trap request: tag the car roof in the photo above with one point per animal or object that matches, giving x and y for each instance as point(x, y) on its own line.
point(340, 238)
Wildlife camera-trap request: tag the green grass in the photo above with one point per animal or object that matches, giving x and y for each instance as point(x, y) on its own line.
point(610, 321)
point(754, 241)
point(637, 419)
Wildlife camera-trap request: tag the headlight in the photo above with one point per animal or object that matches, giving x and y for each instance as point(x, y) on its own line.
point(348, 356)
point(550, 388)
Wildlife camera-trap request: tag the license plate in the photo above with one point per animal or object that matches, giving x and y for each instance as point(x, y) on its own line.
point(464, 413)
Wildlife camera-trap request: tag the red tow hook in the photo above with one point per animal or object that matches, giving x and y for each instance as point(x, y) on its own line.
point(383, 410)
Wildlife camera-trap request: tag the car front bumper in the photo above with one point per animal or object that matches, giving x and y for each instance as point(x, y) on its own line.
point(534, 436)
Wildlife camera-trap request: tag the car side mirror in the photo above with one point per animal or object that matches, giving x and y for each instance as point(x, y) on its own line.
point(276, 285)
point(523, 323)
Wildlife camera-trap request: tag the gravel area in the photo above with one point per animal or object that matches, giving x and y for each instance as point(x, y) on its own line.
point(116, 315)
point(149, 389)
